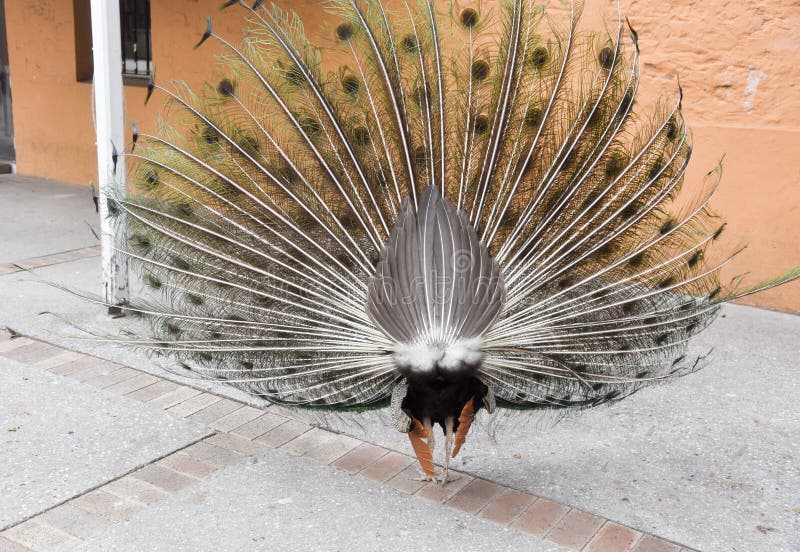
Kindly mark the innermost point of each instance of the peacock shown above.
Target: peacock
(440, 210)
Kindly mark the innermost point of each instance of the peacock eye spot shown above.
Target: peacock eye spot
(667, 227)
(210, 136)
(348, 220)
(141, 241)
(637, 260)
(180, 263)
(153, 281)
(113, 208)
(287, 174)
(613, 167)
(481, 124)
(630, 211)
(607, 249)
(294, 75)
(310, 126)
(469, 18)
(344, 31)
(225, 88)
(539, 57)
(656, 169)
(565, 282)
(350, 84)
(672, 129)
(595, 117)
(361, 136)
(666, 282)
(480, 70)
(606, 58)
(409, 43)
(151, 178)
(533, 117)
(626, 102)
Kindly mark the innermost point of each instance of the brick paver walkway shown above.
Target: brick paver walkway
(242, 431)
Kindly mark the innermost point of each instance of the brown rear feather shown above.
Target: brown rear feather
(464, 423)
(421, 448)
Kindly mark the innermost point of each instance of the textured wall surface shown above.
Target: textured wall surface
(739, 64)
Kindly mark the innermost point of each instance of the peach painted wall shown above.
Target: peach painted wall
(739, 64)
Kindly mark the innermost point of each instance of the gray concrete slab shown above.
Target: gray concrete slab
(60, 438)
(279, 502)
(40, 217)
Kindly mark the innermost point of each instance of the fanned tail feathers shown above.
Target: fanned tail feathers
(271, 218)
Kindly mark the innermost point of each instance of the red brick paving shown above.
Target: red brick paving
(575, 529)
(442, 493)
(540, 517)
(283, 433)
(613, 538)
(258, 427)
(360, 457)
(477, 494)
(185, 464)
(387, 467)
(649, 543)
(333, 449)
(407, 481)
(31, 352)
(506, 506)
(163, 478)
(309, 440)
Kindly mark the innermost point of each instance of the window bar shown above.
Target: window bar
(136, 35)
(123, 35)
(148, 30)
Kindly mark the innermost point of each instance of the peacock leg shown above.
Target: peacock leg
(426, 423)
(449, 437)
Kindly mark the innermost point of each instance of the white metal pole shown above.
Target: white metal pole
(109, 106)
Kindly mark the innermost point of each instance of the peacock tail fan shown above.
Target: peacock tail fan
(434, 185)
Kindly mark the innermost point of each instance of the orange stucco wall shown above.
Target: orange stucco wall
(739, 64)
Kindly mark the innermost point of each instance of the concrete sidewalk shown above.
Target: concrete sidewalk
(709, 461)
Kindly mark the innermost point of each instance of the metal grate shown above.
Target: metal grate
(135, 31)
